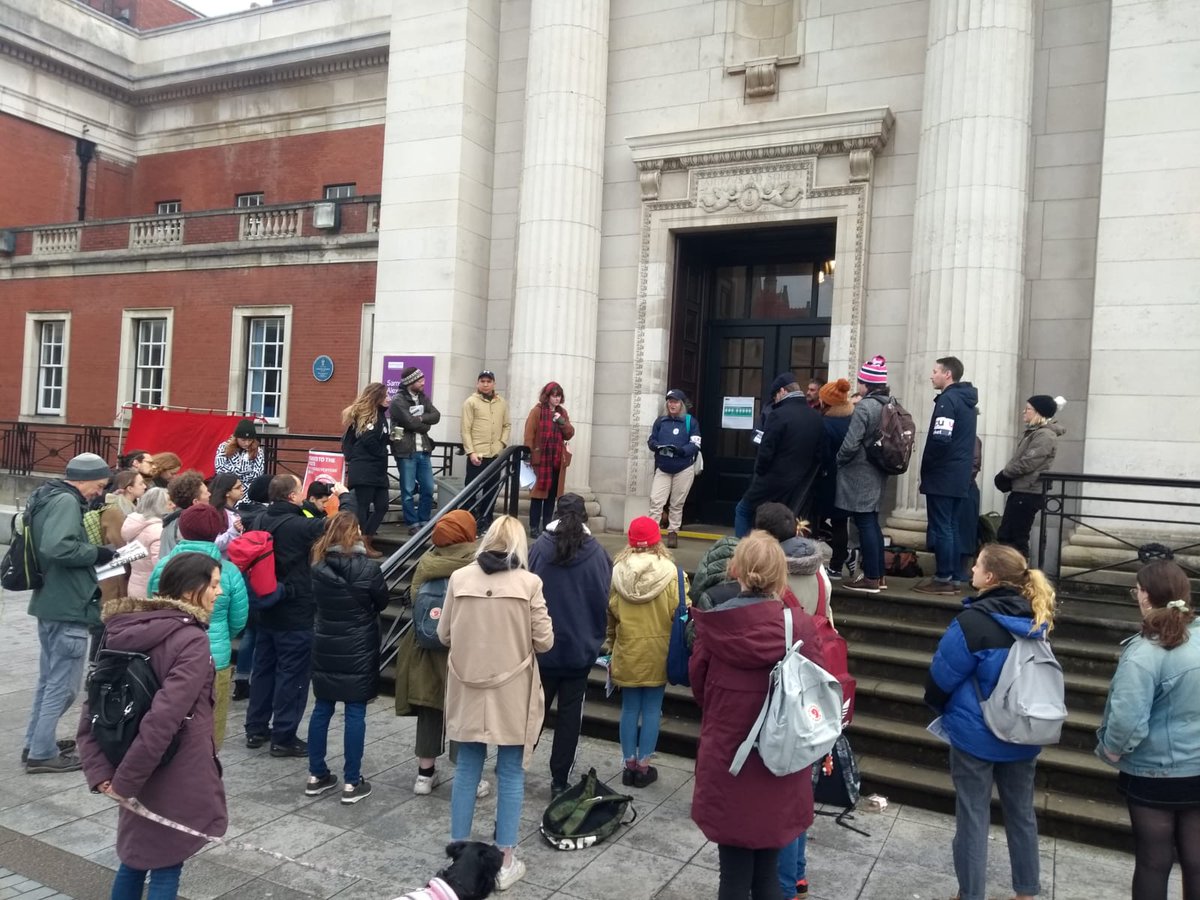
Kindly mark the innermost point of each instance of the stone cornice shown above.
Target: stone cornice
(820, 135)
(363, 53)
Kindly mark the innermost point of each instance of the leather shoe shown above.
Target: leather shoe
(295, 748)
(254, 741)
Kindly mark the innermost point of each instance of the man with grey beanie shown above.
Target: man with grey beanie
(66, 604)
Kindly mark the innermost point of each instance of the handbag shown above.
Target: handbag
(678, 652)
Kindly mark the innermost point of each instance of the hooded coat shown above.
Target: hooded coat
(351, 593)
(1034, 455)
(188, 789)
(495, 623)
(710, 571)
(807, 577)
(421, 673)
(737, 645)
(147, 532)
(576, 594)
(232, 608)
(641, 609)
(975, 647)
(949, 453)
(69, 591)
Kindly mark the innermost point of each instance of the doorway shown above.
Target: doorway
(749, 305)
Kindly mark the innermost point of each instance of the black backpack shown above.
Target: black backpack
(19, 570)
(892, 446)
(120, 690)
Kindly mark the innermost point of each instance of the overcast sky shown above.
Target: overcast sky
(220, 7)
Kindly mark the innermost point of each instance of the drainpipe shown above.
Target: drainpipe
(85, 150)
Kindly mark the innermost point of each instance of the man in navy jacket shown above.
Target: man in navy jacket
(946, 470)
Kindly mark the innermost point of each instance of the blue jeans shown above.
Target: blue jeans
(942, 514)
(510, 791)
(793, 865)
(972, 813)
(870, 543)
(416, 470)
(353, 739)
(640, 705)
(164, 883)
(60, 672)
(279, 686)
(743, 518)
(245, 655)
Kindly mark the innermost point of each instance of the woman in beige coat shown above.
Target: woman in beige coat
(494, 621)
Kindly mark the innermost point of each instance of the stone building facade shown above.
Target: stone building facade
(631, 195)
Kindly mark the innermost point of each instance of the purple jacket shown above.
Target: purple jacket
(188, 789)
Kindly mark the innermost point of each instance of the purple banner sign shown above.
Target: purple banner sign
(394, 365)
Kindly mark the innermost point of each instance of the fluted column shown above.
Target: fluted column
(969, 222)
(558, 236)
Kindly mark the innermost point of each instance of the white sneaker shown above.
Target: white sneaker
(483, 788)
(510, 875)
(426, 783)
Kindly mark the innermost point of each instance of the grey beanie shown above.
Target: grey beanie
(87, 467)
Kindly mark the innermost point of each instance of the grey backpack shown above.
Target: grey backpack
(1027, 705)
(801, 717)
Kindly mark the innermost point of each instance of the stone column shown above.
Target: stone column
(558, 224)
(969, 225)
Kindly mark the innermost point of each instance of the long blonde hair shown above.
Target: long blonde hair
(507, 536)
(1009, 567)
(364, 411)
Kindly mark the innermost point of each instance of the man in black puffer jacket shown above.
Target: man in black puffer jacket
(283, 643)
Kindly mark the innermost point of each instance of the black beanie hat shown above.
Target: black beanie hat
(1044, 405)
(259, 489)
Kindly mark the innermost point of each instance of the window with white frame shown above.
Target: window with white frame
(339, 191)
(51, 367)
(169, 207)
(265, 366)
(246, 201)
(150, 361)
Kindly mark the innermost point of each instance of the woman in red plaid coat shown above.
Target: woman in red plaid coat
(547, 430)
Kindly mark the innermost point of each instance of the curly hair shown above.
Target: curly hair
(184, 488)
(364, 411)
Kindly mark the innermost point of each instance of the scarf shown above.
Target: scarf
(550, 443)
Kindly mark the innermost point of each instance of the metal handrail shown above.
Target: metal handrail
(501, 475)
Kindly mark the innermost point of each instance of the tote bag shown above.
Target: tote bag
(678, 654)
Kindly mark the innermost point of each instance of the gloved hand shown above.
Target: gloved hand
(105, 555)
(1003, 482)
(654, 445)
(666, 450)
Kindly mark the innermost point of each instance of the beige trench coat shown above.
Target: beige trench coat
(494, 626)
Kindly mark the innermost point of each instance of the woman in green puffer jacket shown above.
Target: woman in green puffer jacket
(199, 527)
(421, 673)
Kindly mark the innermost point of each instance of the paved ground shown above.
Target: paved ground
(54, 832)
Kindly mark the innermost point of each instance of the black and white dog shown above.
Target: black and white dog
(470, 876)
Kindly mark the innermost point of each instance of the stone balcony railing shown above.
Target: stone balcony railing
(262, 225)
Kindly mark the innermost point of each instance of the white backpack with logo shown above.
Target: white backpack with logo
(801, 717)
(1028, 704)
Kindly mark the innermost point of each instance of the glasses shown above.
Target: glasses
(1133, 592)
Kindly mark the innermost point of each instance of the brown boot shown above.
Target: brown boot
(672, 539)
(372, 553)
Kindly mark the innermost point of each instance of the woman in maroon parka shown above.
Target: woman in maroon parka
(171, 628)
(752, 814)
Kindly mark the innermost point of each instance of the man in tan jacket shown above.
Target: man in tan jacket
(485, 432)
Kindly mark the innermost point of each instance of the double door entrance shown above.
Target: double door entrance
(749, 306)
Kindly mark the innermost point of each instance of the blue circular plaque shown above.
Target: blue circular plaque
(322, 368)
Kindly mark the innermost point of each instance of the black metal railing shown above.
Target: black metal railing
(28, 447)
(1125, 522)
(496, 489)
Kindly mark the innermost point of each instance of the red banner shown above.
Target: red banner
(192, 436)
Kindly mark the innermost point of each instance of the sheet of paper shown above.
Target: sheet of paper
(125, 555)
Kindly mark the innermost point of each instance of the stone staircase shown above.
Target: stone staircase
(891, 638)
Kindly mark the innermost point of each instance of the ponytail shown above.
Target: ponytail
(1037, 590)
(1008, 566)
(1168, 592)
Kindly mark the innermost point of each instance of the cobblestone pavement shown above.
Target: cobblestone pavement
(51, 825)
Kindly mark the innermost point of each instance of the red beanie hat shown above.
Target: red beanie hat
(201, 522)
(644, 532)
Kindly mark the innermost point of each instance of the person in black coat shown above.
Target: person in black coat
(946, 471)
(787, 461)
(283, 642)
(351, 593)
(576, 573)
(365, 446)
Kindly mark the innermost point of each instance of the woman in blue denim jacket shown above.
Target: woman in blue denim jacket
(1151, 732)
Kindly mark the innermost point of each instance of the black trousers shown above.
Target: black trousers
(1017, 522)
(746, 873)
(839, 541)
(372, 507)
(541, 510)
(570, 687)
(279, 683)
(484, 519)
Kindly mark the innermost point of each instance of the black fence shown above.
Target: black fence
(27, 447)
(1096, 530)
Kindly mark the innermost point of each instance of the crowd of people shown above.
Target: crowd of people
(522, 623)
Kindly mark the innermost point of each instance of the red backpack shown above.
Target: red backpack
(836, 653)
(253, 552)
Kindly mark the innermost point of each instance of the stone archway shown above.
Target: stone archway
(782, 171)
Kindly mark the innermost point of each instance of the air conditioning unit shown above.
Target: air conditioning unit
(325, 215)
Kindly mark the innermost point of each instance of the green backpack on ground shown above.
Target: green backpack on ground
(585, 814)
